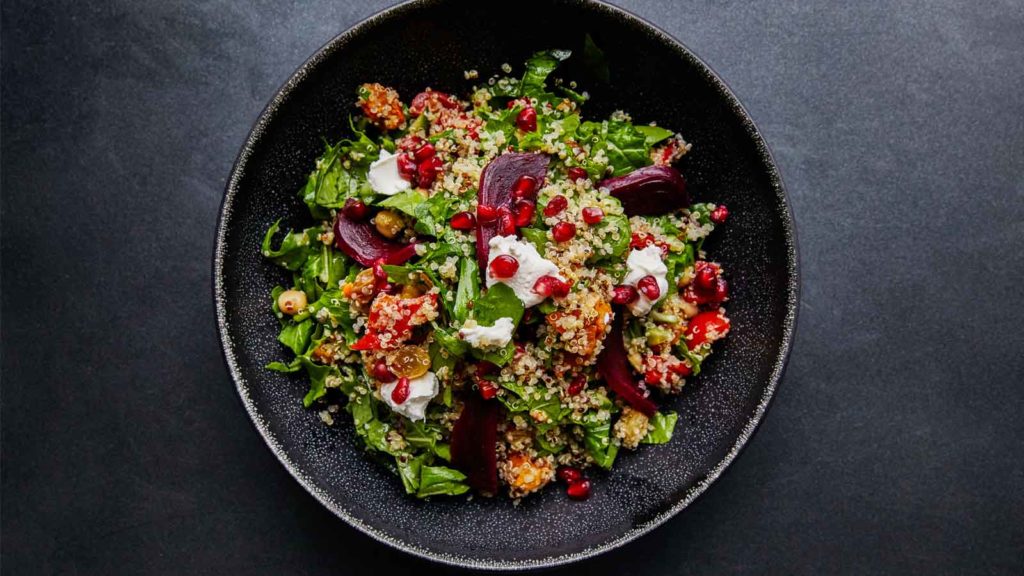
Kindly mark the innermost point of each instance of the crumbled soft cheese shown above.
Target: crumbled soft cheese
(646, 262)
(421, 391)
(487, 336)
(384, 177)
(531, 267)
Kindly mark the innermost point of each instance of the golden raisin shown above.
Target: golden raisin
(410, 362)
(388, 223)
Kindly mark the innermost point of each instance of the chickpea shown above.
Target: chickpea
(291, 302)
(388, 223)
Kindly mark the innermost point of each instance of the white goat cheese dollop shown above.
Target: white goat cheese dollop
(646, 262)
(421, 391)
(384, 177)
(487, 336)
(531, 267)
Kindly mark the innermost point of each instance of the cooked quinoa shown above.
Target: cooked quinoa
(489, 292)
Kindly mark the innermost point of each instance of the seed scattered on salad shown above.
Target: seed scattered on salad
(498, 292)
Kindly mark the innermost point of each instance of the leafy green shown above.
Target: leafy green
(432, 216)
(409, 471)
(339, 314)
(436, 480)
(331, 183)
(663, 425)
(624, 147)
(538, 68)
(468, 290)
(318, 374)
(294, 250)
(407, 201)
(296, 335)
(678, 262)
(597, 430)
(450, 342)
(537, 237)
(498, 302)
(619, 236)
(653, 134)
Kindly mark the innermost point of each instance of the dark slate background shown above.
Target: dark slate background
(896, 441)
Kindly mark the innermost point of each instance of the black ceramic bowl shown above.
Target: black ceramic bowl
(653, 77)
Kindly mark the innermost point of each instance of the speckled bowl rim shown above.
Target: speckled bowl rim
(789, 231)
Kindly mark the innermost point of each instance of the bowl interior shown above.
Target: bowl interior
(652, 78)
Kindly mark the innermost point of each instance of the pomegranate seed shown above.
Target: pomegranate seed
(719, 214)
(624, 294)
(579, 490)
(463, 221)
(406, 168)
(555, 206)
(576, 173)
(649, 286)
(593, 215)
(487, 389)
(504, 266)
(354, 209)
(486, 214)
(511, 104)
(568, 474)
(523, 210)
(506, 222)
(705, 277)
(551, 286)
(526, 120)
(525, 187)
(401, 391)
(721, 289)
(563, 231)
(428, 170)
(382, 373)
(424, 153)
(577, 385)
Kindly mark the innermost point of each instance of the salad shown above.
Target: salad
(496, 291)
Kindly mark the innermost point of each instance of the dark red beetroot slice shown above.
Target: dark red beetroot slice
(614, 368)
(361, 241)
(496, 191)
(649, 191)
(474, 443)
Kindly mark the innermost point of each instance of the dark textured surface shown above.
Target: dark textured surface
(894, 444)
(720, 408)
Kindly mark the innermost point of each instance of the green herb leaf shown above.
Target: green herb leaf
(468, 290)
(406, 202)
(438, 480)
(653, 134)
(294, 250)
(663, 425)
(499, 301)
(296, 335)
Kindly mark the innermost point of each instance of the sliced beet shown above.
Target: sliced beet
(474, 444)
(649, 191)
(360, 240)
(496, 184)
(614, 368)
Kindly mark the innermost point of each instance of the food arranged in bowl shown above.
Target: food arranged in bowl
(496, 291)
